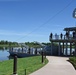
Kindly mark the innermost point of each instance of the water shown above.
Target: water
(68, 51)
(4, 55)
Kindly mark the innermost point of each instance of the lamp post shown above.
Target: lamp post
(74, 13)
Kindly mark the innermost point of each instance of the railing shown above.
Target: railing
(58, 37)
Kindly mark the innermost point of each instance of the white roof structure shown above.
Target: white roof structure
(39, 43)
(23, 44)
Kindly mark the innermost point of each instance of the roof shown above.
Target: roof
(70, 29)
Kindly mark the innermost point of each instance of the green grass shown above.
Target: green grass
(73, 61)
(31, 64)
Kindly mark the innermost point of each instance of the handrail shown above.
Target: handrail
(58, 37)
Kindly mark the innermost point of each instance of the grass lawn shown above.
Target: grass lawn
(31, 64)
(73, 61)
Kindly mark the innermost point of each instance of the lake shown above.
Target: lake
(4, 55)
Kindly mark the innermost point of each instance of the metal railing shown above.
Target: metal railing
(58, 37)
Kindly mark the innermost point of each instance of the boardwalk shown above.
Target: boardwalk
(56, 66)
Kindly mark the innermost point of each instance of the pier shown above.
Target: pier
(68, 40)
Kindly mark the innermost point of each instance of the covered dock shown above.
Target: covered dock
(68, 40)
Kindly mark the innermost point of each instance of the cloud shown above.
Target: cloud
(12, 33)
(7, 32)
(9, 0)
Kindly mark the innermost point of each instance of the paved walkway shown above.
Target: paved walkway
(56, 66)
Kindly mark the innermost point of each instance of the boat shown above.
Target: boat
(23, 52)
(20, 54)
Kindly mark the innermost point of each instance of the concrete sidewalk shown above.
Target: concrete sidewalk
(56, 66)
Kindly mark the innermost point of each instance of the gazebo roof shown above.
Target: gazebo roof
(70, 29)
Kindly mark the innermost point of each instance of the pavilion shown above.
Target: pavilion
(68, 39)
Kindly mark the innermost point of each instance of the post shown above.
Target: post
(42, 57)
(75, 50)
(70, 48)
(63, 48)
(51, 47)
(59, 49)
(22, 49)
(25, 71)
(66, 48)
(12, 49)
(29, 50)
(36, 51)
(15, 65)
(45, 54)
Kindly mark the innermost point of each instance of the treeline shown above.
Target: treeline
(30, 44)
(2, 42)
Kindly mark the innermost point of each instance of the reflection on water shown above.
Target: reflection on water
(68, 51)
(4, 55)
(3, 48)
(10, 57)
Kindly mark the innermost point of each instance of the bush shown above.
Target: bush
(73, 61)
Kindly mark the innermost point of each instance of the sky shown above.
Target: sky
(34, 20)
